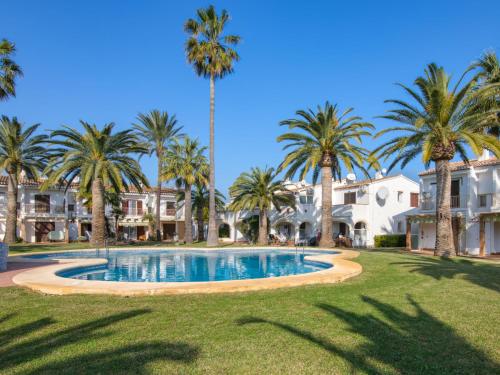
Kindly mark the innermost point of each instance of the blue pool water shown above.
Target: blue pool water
(182, 266)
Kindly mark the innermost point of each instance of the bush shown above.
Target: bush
(390, 240)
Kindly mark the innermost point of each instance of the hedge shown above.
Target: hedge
(390, 240)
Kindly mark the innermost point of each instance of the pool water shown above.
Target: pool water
(184, 266)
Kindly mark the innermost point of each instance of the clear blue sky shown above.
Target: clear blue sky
(104, 61)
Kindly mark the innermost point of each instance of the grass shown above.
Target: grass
(404, 315)
(25, 248)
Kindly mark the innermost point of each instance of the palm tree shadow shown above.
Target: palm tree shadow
(415, 343)
(128, 359)
(486, 275)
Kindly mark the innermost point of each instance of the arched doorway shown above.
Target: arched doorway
(360, 237)
(224, 230)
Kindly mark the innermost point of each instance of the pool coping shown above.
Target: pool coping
(45, 279)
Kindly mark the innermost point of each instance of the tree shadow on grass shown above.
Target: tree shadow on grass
(483, 274)
(407, 343)
(126, 359)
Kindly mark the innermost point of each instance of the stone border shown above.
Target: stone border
(46, 280)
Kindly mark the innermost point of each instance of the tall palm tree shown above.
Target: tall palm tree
(186, 163)
(20, 151)
(439, 124)
(488, 73)
(157, 129)
(212, 56)
(326, 141)
(9, 70)
(259, 189)
(102, 160)
(200, 203)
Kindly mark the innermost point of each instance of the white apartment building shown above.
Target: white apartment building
(475, 207)
(57, 210)
(361, 210)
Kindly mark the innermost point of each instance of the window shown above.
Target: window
(42, 203)
(483, 199)
(132, 207)
(413, 199)
(400, 196)
(71, 207)
(350, 198)
(307, 198)
(170, 209)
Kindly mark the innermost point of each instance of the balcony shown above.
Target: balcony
(168, 212)
(131, 211)
(44, 209)
(427, 205)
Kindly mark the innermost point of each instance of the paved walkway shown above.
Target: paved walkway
(13, 268)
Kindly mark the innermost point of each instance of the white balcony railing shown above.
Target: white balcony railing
(43, 209)
(427, 204)
(133, 211)
(167, 212)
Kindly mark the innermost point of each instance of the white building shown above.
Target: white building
(57, 210)
(475, 207)
(361, 210)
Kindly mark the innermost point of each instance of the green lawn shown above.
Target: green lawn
(404, 315)
(24, 248)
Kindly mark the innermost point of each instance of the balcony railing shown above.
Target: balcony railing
(427, 205)
(43, 209)
(168, 212)
(131, 211)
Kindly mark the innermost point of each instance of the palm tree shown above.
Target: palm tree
(488, 68)
(157, 129)
(259, 189)
(102, 160)
(326, 141)
(9, 70)
(186, 163)
(439, 124)
(200, 203)
(20, 151)
(212, 56)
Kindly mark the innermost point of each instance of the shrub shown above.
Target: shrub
(390, 240)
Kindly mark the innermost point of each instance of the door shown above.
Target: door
(455, 193)
(168, 231)
(42, 229)
(141, 233)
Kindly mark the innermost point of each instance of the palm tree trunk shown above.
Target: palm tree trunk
(158, 198)
(444, 234)
(11, 224)
(213, 237)
(262, 228)
(199, 214)
(98, 214)
(188, 230)
(326, 206)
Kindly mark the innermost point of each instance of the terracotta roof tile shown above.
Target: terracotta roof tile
(364, 182)
(460, 165)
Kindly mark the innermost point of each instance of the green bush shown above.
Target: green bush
(390, 240)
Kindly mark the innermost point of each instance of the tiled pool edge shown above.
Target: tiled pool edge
(45, 279)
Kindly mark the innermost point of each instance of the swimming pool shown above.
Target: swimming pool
(189, 265)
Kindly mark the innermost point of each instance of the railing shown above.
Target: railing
(130, 211)
(168, 212)
(427, 205)
(455, 201)
(43, 209)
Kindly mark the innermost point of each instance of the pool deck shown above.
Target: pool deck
(45, 280)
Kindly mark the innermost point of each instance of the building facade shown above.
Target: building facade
(475, 208)
(361, 210)
(60, 211)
